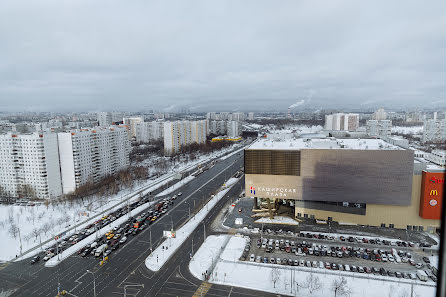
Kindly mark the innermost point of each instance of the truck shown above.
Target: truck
(422, 275)
(396, 256)
(158, 206)
(100, 250)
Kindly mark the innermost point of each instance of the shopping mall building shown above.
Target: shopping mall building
(350, 181)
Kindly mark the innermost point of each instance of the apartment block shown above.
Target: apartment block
(379, 128)
(434, 131)
(234, 129)
(30, 165)
(342, 122)
(131, 124)
(218, 127)
(149, 131)
(181, 133)
(87, 155)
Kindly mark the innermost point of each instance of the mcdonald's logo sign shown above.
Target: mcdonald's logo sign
(434, 193)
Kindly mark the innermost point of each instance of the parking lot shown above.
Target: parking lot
(390, 258)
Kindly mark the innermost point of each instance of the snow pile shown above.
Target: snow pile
(295, 280)
(160, 256)
(176, 186)
(278, 220)
(208, 252)
(101, 232)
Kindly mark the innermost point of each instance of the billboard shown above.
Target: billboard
(335, 175)
(431, 199)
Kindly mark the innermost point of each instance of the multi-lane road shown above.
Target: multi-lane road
(126, 267)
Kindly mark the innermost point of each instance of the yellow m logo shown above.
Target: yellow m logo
(434, 192)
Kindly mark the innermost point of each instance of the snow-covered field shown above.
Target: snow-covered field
(300, 129)
(293, 280)
(159, 256)
(25, 227)
(408, 130)
(278, 220)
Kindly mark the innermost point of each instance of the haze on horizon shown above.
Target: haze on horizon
(221, 55)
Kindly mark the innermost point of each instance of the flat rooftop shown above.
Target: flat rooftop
(323, 143)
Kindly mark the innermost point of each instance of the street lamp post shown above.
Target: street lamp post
(94, 283)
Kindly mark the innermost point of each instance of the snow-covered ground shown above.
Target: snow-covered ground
(42, 222)
(160, 255)
(278, 220)
(408, 130)
(259, 276)
(176, 186)
(300, 129)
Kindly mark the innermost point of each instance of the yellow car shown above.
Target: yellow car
(117, 236)
(110, 236)
(154, 219)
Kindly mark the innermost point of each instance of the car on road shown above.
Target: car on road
(48, 256)
(123, 240)
(179, 194)
(35, 259)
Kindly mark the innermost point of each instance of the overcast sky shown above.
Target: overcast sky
(220, 55)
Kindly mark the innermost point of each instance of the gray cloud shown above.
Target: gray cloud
(233, 55)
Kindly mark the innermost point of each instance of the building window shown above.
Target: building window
(409, 227)
(391, 225)
(306, 215)
(299, 215)
(383, 225)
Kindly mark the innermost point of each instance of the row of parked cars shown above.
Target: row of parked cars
(111, 242)
(378, 241)
(303, 248)
(340, 267)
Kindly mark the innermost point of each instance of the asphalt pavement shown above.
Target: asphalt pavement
(126, 265)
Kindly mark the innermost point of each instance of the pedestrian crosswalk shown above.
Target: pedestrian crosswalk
(202, 290)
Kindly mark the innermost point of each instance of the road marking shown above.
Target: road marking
(202, 289)
(3, 265)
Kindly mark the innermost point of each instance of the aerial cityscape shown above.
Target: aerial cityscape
(222, 149)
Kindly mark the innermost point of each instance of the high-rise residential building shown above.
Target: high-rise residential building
(250, 116)
(131, 124)
(87, 155)
(104, 119)
(234, 129)
(342, 121)
(379, 115)
(181, 133)
(149, 131)
(434, 131)
(211, 116)
(238, 116)
(218, 127)
(30, 165)
(379, 128)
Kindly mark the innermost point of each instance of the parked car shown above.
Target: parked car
(35, 259)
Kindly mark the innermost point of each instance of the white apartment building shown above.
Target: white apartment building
(379, 128)
(106, 119)
(218, 127)
(131, 123)
(238, 116)
(379, 115)
(250, 116)
(342, 122)
(437, 156)
(149, 131)
(180, 133)
(86, 155)
(434, 131)
(29, 165)
(234, 129)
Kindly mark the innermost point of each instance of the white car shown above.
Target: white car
(179, 194)
(384, 258)
(123, 239)
(391, 259)
(48, 256)
(347, 267)
(252, 258)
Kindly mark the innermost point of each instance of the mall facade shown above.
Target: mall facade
(349, 181)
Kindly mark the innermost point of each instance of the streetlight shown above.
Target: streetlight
(94, 283)
(204, 230)
(125, 288)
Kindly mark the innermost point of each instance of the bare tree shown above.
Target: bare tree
(312, 283)
(46, 227)
(275, 275)
(35, 232)
(340, 288)
(13, 230)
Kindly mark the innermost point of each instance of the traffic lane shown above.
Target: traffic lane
(157, 230)
(50, 281)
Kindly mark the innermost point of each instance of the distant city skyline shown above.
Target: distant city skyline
(214, 56)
